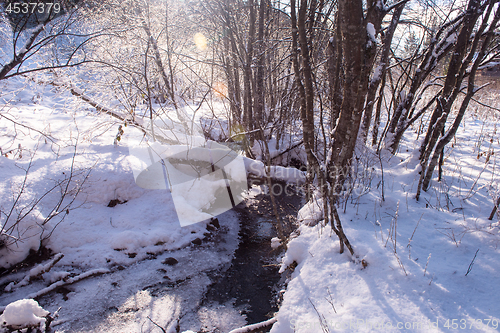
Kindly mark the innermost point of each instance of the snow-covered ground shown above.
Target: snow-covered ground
(409, 272)
(92, 234)
(111, 226)
(416, 254)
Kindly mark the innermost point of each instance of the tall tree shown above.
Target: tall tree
(465, 52)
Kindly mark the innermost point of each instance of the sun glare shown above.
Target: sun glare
(220, 89)
(200, 41)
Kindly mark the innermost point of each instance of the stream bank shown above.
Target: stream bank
(252, 281)
(227, 280)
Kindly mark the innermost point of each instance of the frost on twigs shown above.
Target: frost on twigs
(25, 314)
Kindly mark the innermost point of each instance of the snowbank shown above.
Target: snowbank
(419, 266)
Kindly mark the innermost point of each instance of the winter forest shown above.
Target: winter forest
(249, 166)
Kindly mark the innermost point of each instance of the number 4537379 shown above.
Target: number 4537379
(33, 7)
(470, 324)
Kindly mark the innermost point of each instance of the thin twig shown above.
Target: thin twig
(471, 263)
(331, 299)
(29, 127)
(428, 258)
(162, 329)
(324, 326)
(411, 238)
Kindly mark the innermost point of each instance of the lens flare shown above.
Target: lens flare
(220, 89)
(200, 41)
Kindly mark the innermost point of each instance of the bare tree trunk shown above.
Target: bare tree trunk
(248, 73)
(376, 122)
(495, 208)
(259, 77)
(158, 60)
(454, 78)
(307, 113)
(232, 75)
(379, 74)
(302, 94)
(358, 57)
(169, 58)
(335, 73)
(471, 90)
(437, 49)
(232, 67)
(228, 69)
(148, 90)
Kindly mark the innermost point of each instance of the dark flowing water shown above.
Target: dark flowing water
(252, 279)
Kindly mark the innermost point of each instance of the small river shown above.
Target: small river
(229, 280)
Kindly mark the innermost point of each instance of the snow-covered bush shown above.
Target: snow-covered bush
(30, 210)
(25, 313)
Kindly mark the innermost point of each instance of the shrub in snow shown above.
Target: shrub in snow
(37, 207)
(23, 314)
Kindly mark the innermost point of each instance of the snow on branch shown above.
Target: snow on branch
(64, 282)
(35, 273)
(71, 280)
(255, 327)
